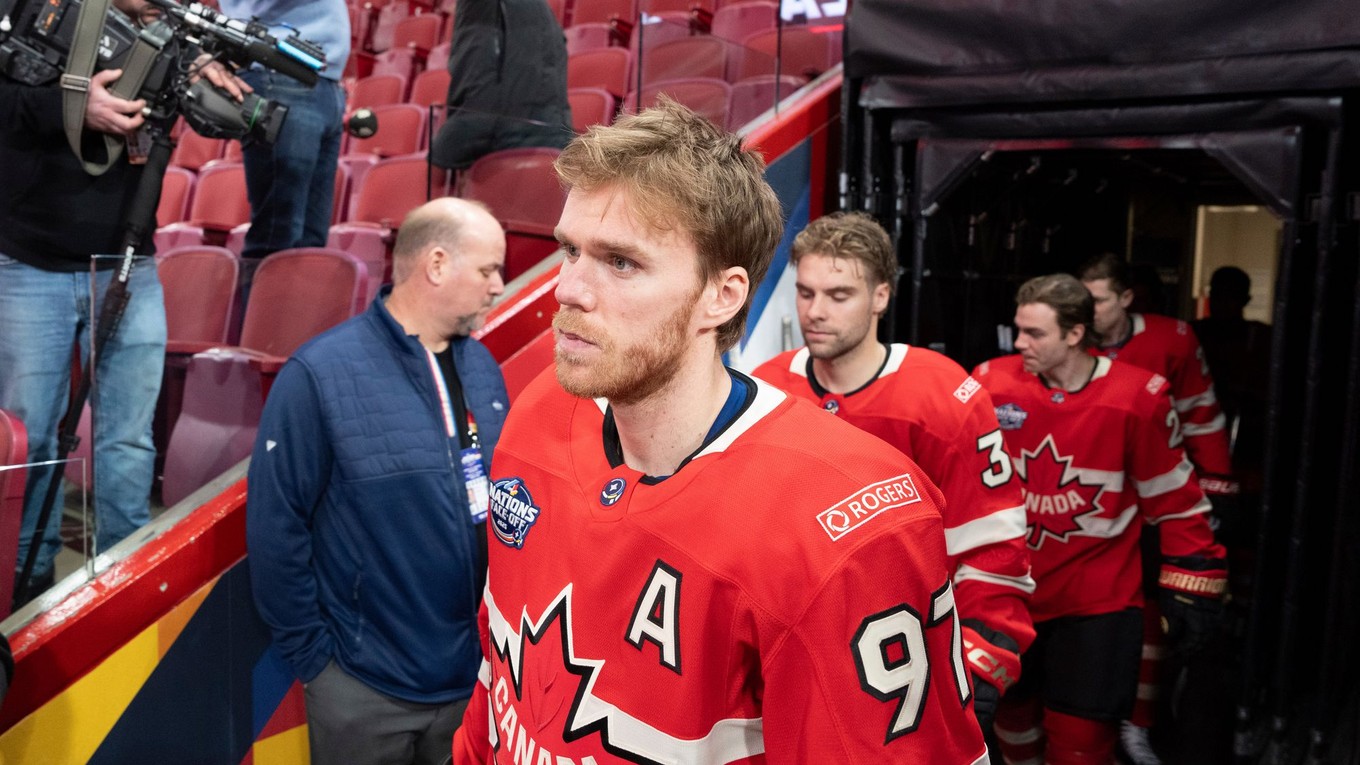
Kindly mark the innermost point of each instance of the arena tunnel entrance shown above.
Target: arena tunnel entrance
(1139, 130)
(992, 213)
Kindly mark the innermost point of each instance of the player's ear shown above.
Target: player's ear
(724, 296)
(879, 297)
(1126, 299)
(1076, 335)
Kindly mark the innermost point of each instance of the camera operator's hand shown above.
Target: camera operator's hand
(108, 113)
(220, 76)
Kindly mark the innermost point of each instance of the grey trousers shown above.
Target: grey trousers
(349, 723)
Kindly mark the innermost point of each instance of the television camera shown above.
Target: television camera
(36, 37)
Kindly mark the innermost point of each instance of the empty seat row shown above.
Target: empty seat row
(802, 53)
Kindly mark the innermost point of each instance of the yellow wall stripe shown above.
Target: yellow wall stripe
(70, 727)
(286, 748)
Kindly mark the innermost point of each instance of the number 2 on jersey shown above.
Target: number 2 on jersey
(892, 660)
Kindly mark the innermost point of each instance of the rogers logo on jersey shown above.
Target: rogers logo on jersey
(967, 389)
(513, 512)
(855, 510)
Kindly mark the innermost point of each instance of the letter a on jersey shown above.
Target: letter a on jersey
(656, 617)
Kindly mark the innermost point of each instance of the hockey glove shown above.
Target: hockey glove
(1223, 494)
(1191, 601)
(994, 660)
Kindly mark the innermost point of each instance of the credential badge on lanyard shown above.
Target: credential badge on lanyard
(470, 459)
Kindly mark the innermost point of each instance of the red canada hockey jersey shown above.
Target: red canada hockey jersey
(1168, 347)
(927, 406)
(782, 598)
(1094, 465)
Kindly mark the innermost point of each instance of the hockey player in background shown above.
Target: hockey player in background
(688, 565)
(1097, 448)
(1167, 347)
(927, 406)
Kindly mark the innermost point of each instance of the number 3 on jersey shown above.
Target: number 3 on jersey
(1000, 469)
(891, 657)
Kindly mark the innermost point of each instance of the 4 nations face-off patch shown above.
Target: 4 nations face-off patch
(513, 512)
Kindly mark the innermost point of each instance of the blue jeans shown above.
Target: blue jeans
(41, 313)
(291, 184)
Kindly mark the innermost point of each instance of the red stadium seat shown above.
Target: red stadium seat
(593, 36)
(219, 205)
(738, 21)
(686, 58)
(591, 106)
(439, 56)
(606, 68)
(194, 151)
(754, 96)
(587, 11)
(673, 6)
(385, 25)
(708, 96)
(13, 477)
(419, 32)
(803, 53)
(377, 90)
(295, 295)
(177, 189)
(430, 87)
(521, 190)
(199, 286)
(401, 130)
(385, 193)
(652, 30)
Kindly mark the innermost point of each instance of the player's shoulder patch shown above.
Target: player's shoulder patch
(1010, 416)
(1155, 383)
(967, 389)
(1182, 328)
(513, 512)
(982, 369)
(867, 503)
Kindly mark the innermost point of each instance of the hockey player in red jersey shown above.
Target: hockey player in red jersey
(687, 565)
(1167, 347)
(927, 406)
(1096, 444)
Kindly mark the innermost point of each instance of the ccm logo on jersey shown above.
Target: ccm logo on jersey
(513, 512)
(967, 389)
(853, 511)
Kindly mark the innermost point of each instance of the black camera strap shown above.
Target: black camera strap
(75, 81)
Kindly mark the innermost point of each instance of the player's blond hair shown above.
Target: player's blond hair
(684, 173)
(1068, 298)
(851, 235)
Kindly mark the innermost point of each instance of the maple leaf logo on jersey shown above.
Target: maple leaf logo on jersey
(540, 715)
(1058, 496)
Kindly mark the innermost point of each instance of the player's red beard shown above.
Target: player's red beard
(623, 375)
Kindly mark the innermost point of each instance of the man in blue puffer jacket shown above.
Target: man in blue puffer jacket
(365, 520)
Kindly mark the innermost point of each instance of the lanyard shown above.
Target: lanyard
(446, 403)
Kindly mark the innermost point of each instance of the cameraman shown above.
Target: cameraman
(291, 184)
(53, 218)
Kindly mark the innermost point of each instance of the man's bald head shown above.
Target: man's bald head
(439, 222)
